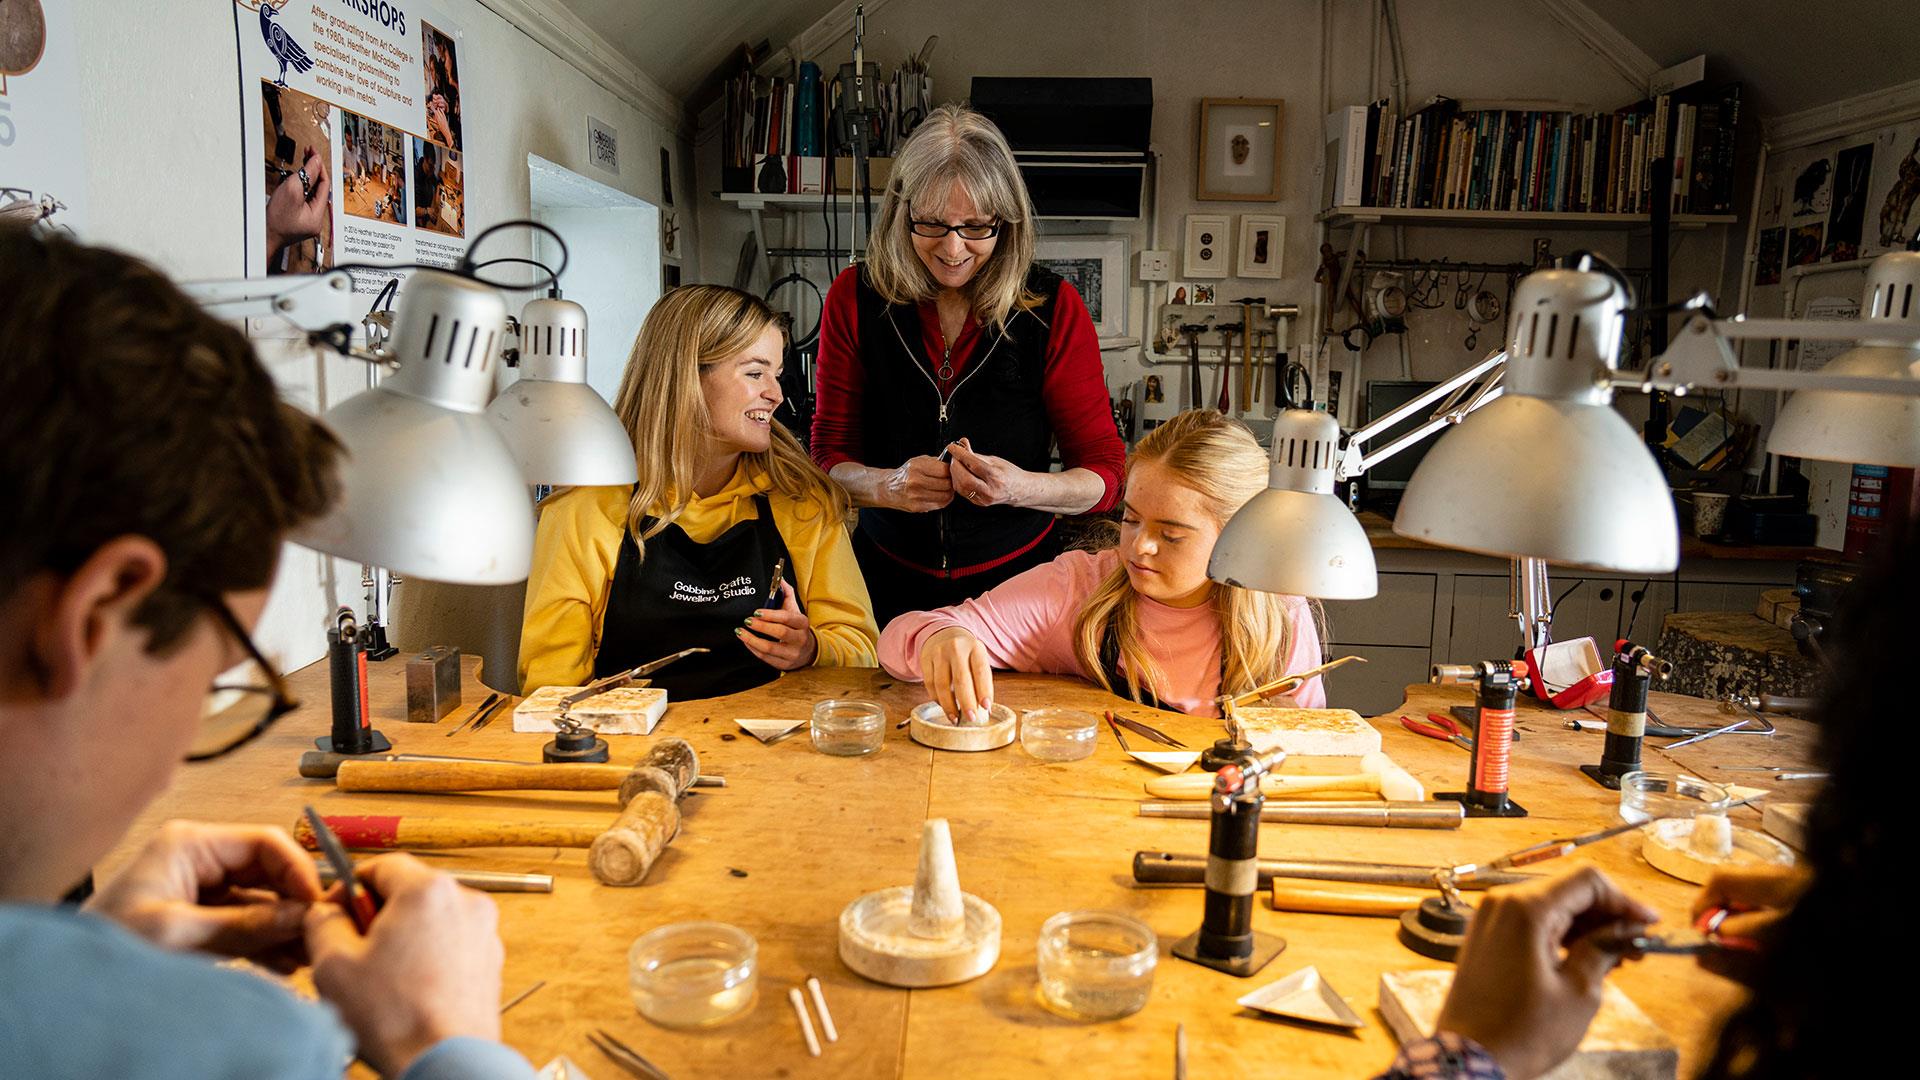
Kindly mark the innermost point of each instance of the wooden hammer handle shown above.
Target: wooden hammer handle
(1335, 898)
(625, 853)
(476, 776)
(386, 832)
(1200, 785)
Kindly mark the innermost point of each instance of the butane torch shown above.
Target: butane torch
(1500, 683)
(1226, 940)
(1634, 669)
(353, 731)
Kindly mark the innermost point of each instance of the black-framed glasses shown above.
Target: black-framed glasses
(938, 230)
(244, 702)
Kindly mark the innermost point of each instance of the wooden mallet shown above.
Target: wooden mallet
(1378, 775)
(621, 854)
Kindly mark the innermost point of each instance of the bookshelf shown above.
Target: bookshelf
(1339, 216)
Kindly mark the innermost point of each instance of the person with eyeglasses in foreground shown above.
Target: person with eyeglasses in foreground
(1530, 975)
(151, 471)
(950, 367)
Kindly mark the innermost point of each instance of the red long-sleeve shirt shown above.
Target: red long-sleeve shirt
(1074, 384)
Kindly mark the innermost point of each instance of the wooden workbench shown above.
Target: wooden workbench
(796, 835)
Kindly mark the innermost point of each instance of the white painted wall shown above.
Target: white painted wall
(165, 175)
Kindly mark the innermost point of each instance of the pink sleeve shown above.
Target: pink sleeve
(1304, 654)
(1025, 623)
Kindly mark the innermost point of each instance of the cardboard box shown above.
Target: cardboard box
(879, 172)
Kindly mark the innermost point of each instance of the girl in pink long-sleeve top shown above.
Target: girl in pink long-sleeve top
(1141, 619)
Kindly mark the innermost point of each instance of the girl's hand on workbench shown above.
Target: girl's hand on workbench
(427, 970)
(781, 636)
(235, 890)
(1515, 991)
(1760, 897)
(954, 666)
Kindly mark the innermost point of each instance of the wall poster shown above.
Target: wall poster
(43, 168)
(354, 135)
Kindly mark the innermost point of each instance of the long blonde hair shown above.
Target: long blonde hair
(665, 412)
(955, 146)
(1219, 458)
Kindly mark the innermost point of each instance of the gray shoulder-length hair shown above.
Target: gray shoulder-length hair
(955, 145)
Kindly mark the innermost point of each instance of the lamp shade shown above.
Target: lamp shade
(428, 489)
(1549, 470)
(560, 430)
(1865, 429)
(1295, 537)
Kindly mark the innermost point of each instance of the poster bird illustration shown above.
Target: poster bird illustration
(1806, 186)
(282, 45)
(1900, 198)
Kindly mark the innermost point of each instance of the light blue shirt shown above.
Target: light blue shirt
(81, 997)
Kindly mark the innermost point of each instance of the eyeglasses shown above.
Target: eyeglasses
(937, 230)
(244, 702)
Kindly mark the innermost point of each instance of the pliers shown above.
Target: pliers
(1441, 727)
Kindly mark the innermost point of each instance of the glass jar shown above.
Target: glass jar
(845, 727)
(1058, 734)
(1096, 965)
(693, 974)
(1647, 796)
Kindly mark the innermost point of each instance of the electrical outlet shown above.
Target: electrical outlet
(1154, 265)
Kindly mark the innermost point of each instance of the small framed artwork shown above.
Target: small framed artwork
(1097, 267)
(1263, 239)
(1205, 255)
(1239, 155)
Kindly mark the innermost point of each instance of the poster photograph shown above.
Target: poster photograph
(358, 137)
(42, 148)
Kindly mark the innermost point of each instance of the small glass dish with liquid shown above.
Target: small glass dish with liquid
(693, 974)
(1058, 734)
(1096, 965)
(845, 727)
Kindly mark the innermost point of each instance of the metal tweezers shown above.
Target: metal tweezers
(1147, 731)
(485, 709)
(624, 1056)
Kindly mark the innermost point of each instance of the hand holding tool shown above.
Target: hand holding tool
(1444, 728)
(356, 899)
(773, 590)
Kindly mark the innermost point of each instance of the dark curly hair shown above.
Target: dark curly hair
(126, 410)
(1808, 1016)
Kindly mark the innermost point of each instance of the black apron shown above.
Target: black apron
(686, 594)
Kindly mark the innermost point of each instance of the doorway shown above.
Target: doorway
(613, 269)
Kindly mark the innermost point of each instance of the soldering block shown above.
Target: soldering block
(627, 710)
(1306, 732)
(1622, 1043)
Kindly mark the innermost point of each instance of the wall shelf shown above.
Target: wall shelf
(750, 200)
(1340, 216)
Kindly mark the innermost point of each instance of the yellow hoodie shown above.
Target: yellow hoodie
(578, 546)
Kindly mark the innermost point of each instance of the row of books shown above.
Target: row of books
(768, 117)
(1444, 157)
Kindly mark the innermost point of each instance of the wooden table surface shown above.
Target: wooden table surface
(796, 835)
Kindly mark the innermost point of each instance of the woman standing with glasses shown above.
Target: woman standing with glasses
(950, 366)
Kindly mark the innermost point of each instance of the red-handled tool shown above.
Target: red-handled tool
(357, 900)
(1444, 728)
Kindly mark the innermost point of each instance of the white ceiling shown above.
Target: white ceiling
(1790, 54)
(681, 43)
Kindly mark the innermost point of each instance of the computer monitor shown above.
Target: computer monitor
(1391, 476)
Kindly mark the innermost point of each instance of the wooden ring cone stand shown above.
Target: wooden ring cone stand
(925, 934)
(928, 725)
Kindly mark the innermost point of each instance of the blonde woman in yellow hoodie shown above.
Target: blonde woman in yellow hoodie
(687, 556)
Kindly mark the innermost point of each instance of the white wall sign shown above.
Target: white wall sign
(603, 145)
(354, 135)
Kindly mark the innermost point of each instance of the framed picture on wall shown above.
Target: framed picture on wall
(1205, 253)
(1263, 239)
(1239, 154)
(1097, 267)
